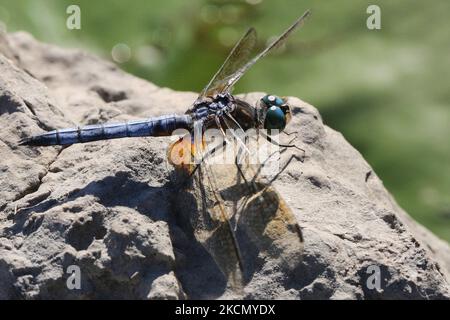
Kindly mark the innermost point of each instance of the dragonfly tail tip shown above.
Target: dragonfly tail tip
(25, 142)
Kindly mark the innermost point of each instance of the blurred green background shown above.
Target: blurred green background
(386, 90)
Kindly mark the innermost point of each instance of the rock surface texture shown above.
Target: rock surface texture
(110, 207)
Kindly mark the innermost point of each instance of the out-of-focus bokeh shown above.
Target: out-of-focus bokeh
(386, 90)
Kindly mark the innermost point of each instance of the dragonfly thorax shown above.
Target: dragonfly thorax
(211, 107)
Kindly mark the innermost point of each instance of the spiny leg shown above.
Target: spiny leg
(301, 159)
(238, 165)
(268, 138)
(292, 157)
(258, 172)
(238, 139)
(289, 133)
(236, 123)
(237, 160)
(242, 146)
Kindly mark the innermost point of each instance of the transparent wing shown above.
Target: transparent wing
(267, 221)
(242, 226)
(237, 58)
(275, 44)
(234, 218)
(212, 224)
(210, 219)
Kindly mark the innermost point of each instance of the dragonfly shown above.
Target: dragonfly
(231, 199)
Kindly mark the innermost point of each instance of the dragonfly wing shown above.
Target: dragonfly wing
(266, 220)
(211, 220)
(228, 208)
(272, 226)
(237, 58)
(275, 44)
(213, 226)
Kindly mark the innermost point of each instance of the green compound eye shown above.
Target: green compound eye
(271, 100)
(275, 119)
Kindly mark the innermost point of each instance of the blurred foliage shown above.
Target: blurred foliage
(386, 90)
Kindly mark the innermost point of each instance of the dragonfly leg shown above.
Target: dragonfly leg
(219, 147)
(292, 157)
(243, 147)
(268, 138)
(236, 123)
(289, 133)
(238, 165)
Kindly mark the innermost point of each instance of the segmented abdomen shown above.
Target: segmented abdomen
(153, 127)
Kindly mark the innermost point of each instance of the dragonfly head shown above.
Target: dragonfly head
(275, 112)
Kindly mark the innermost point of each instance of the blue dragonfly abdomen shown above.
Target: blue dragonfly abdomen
(153, 127)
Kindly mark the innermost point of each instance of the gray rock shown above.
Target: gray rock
(110, 207)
